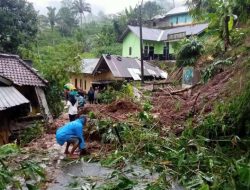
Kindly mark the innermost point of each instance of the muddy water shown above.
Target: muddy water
(92, 175)
(79, 174)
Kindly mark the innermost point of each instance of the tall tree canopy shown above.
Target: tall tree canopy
(151, 9)
(52, 17)
(18, 24)
(66, 21)
(81, 6)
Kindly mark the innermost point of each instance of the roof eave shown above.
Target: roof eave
(124, 34)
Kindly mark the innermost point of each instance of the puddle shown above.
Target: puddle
(81, 172)
(92, 175)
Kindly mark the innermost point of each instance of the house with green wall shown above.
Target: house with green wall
(160, 34)
(157, 43)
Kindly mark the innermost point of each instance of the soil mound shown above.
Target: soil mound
(122, 106)
(173, 109)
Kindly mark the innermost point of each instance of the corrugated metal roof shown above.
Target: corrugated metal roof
(14, 69)
(195, 29)
(178, 10)
(147, 33)
(11, 97)
(88, 65)
(162, 35)
(174, 11)
(121, 67)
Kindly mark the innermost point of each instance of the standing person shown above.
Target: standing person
(96, 95)
(72, 105)
(91, 94)
(81, 101)
(72, 133)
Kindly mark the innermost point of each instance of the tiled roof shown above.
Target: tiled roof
(11, 97)
(162, 35)
(16, 70)
(126, 67)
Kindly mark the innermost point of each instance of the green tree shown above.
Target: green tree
(18, 24)
(81, 6)
(242, 9)
(43, 22)
(151, 9)
(52, 17)
(221, 14)
(55, 63)
(66, 21)
(189, 52)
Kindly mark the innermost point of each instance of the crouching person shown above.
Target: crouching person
(72, 133)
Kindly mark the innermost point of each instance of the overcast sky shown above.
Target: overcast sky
(107, 6)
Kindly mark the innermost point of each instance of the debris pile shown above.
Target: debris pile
(118, 110)
(174, 107)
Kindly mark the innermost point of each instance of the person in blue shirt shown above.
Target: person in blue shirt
(72, 133)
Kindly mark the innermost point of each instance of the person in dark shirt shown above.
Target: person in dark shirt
(91, 94)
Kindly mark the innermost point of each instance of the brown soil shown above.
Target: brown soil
(174, 110)
(118, 110)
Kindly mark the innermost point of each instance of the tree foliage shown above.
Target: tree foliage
(55, 63)
(81, 6)
(221, 14)
(189, 52)
(52, 17)
(18, 24)
(66, 21)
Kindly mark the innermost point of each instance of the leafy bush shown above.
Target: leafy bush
(13, 172)
(53, 96)
(238, 36)
(189, 53)
(32, 132)
(211, 70)
(110, 95)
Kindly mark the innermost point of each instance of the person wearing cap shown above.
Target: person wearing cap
(72, 133)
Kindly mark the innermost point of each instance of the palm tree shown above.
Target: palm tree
(81, 6)
(52, 17)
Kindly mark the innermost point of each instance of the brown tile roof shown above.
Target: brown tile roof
(15, 69)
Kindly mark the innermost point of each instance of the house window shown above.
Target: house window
(176, 36)
(177, 20)
(76, 82)
(85, 84)
(81, 83)
(130, 50)
(154, 24)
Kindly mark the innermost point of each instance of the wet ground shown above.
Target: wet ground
(65, 174)
(84, 175)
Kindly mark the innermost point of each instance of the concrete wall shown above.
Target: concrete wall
(88, 79)
(131, 40)
(179, 20)
(158, 46)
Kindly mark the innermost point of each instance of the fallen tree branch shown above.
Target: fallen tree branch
(184, 90)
